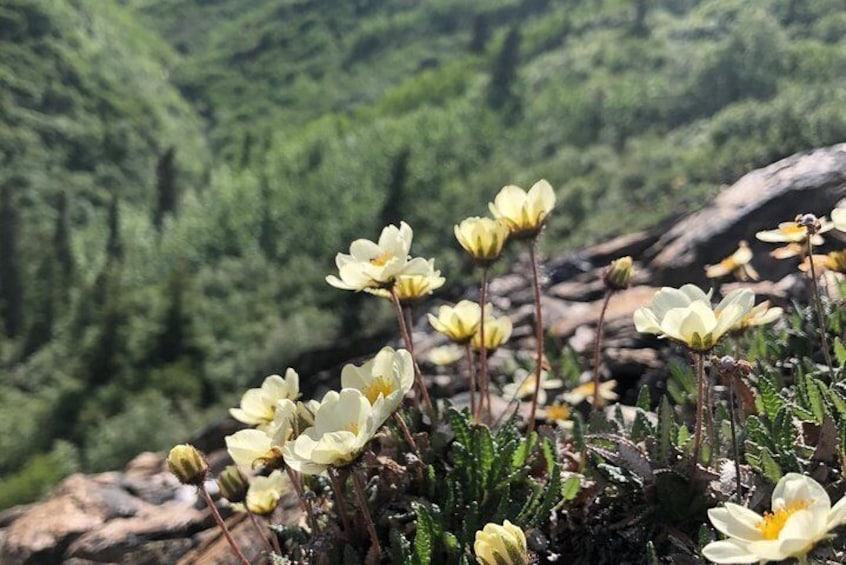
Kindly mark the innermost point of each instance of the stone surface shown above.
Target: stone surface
(144, 516)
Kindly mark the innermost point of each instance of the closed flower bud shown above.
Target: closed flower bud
(188, 464)
(232, 484)
(809, 222)
(482, 238)
(619, 273)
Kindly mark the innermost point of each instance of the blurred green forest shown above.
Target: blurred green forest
(177, 175)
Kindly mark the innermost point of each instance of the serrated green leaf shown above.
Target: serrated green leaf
(770, 468)
(770, 401)
(666, 421)
(424, 537)
(839, 351)
(651, 556)
(644, 400)
(571, 488)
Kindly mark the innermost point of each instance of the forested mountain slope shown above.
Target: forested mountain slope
(178, 174)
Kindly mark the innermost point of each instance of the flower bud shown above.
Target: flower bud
(188, 464)
(232, 484)
(501, 544)
(619, 273)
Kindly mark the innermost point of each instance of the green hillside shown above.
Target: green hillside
(178, 174)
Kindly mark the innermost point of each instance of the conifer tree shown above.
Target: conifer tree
(393, 209)
(11, 283)
(166, 190)
(501, 90)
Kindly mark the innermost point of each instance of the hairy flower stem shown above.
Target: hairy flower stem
(221, 524)
(538, 331)
(596, 347)
(261, 532)
(407, 434)
(471, 376)
(485, 390)
(358, 485)
(734, 445)
(815, 294)
(409, 345)
(298, 487)
(340, 504)
(700, 404)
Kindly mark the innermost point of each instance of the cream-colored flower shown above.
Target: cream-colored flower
(838, 218)
(482, 238)
(263, 446)
(501, 545)
(389, 375)
(759, 315)
(585, 392)
(445, 355)
(413, 287)
(791, 232)
(524, 213)
(801, 517)
(264, 493)
(343, 425)
(378, 264)
(497, 332)
(525, 383)
(834, 261)
(559, 414)
(738, 264)
(258, 405)
(458, 322)
(686, 315)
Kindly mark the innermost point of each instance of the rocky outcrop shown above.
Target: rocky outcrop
(143, 516)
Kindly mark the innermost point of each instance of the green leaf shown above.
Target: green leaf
(644, 401)
(666, 421)
(424, 538)
(651, 555)
(768, 399)
(839, 351)
(571, 488)
(770, 468)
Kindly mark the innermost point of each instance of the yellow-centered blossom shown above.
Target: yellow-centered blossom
(585, 391)
(460, 322)
(834, 261)
(410, 288)
(497, 332)
(738, 264)
(795, 236)
(389, 376)
(264, 493)
(258, 405)
(482, 238)
(263, 446)
(801, 516)
(343, 425)
(759, 315)
(501, 545)
(524, 212)
(377, 264)
(686, 315)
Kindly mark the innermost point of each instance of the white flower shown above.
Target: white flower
(686, 315)
(482, 238)
(760, 315)
(497, 331)
(801, 517)
(264, 445)
(343, 425)
(376, 265)
(524, 386)
(524, 213)
(459, 322)
(389, 375)
(791, 232)
(838, 218)
(414, 286)
(501, 545)
(264, 493)
(258, 405)
(585, 392)
(738, 263)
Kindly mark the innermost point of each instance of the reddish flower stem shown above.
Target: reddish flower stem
(484, 384)
(596, 347)
(409, 344)
(221, 524)
(538, 331)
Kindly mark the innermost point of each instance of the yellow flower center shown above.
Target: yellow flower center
(352, 427)
(380, 385)
(382, 259)
(773, 522)
(558, 412)
(792, 229)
